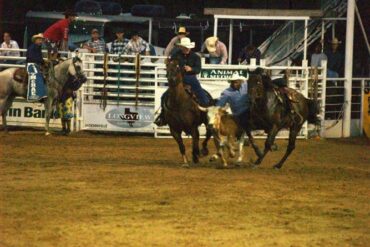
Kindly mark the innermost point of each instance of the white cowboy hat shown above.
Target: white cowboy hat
(37, 36)
(237, 77)
(335, 41)
(211, 43)
(186, 42)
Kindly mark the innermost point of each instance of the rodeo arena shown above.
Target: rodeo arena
(233, 127)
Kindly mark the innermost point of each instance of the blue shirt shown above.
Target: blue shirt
(238, 99)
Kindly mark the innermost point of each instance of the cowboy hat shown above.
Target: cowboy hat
(182, 30)
(119, 30)
(236, 77)
(211, 43)
(37, 36)
(94, 30)
(335, 41)
(186, 42)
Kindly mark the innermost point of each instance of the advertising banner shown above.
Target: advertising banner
(118, 118)
(23, 113)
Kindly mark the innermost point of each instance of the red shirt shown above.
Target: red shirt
(58, 31)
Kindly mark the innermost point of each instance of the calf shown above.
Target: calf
(225, 132)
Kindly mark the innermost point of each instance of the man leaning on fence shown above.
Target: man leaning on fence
(9, 44)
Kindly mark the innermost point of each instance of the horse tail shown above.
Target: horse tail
(313, 111)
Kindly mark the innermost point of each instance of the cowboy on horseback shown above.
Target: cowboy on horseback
(191, 66)
(34, 60)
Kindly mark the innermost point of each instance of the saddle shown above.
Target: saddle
(20, 75)
(194, 96)
(286, 92)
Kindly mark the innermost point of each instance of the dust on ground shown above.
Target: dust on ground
(106, 190)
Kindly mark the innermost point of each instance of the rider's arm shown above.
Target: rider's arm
(224, 98)
(195, 69)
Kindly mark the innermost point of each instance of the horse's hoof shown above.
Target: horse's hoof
(274, 147)
(195, 160)
(276, 167)
(185, 165)
(47, 134)
(205, 151)
(254, 166)
(213, 158)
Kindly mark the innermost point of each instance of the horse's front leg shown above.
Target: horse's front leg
(195, 137)
(293, 132)
(268, 143)
(48, 111)
(4, 106)
(254, 145)
(177, 136)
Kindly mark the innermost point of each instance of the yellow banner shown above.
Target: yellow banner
(366, 112)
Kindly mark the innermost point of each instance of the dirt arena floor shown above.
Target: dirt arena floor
(113, 190)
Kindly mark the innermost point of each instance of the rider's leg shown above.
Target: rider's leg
(160, 121)
(197, 89)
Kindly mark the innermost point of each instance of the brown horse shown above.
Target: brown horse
(182, 114)
(270, 113)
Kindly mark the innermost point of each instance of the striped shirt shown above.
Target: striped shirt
(118, 46)
(99, 45)
(136, 47)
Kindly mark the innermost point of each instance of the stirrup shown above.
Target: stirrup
(159, 121)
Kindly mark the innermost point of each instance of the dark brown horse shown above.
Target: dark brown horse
(270, 113)
(182, 114)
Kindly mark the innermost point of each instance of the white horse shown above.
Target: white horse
(55, 76)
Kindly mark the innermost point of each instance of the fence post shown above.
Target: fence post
(362, 107)
(323, 98)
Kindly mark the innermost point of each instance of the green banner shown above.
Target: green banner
(221, 73)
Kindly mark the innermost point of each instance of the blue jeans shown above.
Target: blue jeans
(214, 60)
(243, 119)
(192, 80)
(195, 86)
(332, 74)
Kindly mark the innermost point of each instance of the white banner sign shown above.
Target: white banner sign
(118, 118)
(23, 113)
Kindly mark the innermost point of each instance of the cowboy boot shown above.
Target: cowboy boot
(160, 121)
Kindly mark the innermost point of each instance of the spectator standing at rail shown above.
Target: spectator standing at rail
(56, 36)
(248, 52)
(95, 44)
(217, 50)
(137, 45)
(181, 33)
(119, 44)
(335, 59)
(9, 44)
(316, 60)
